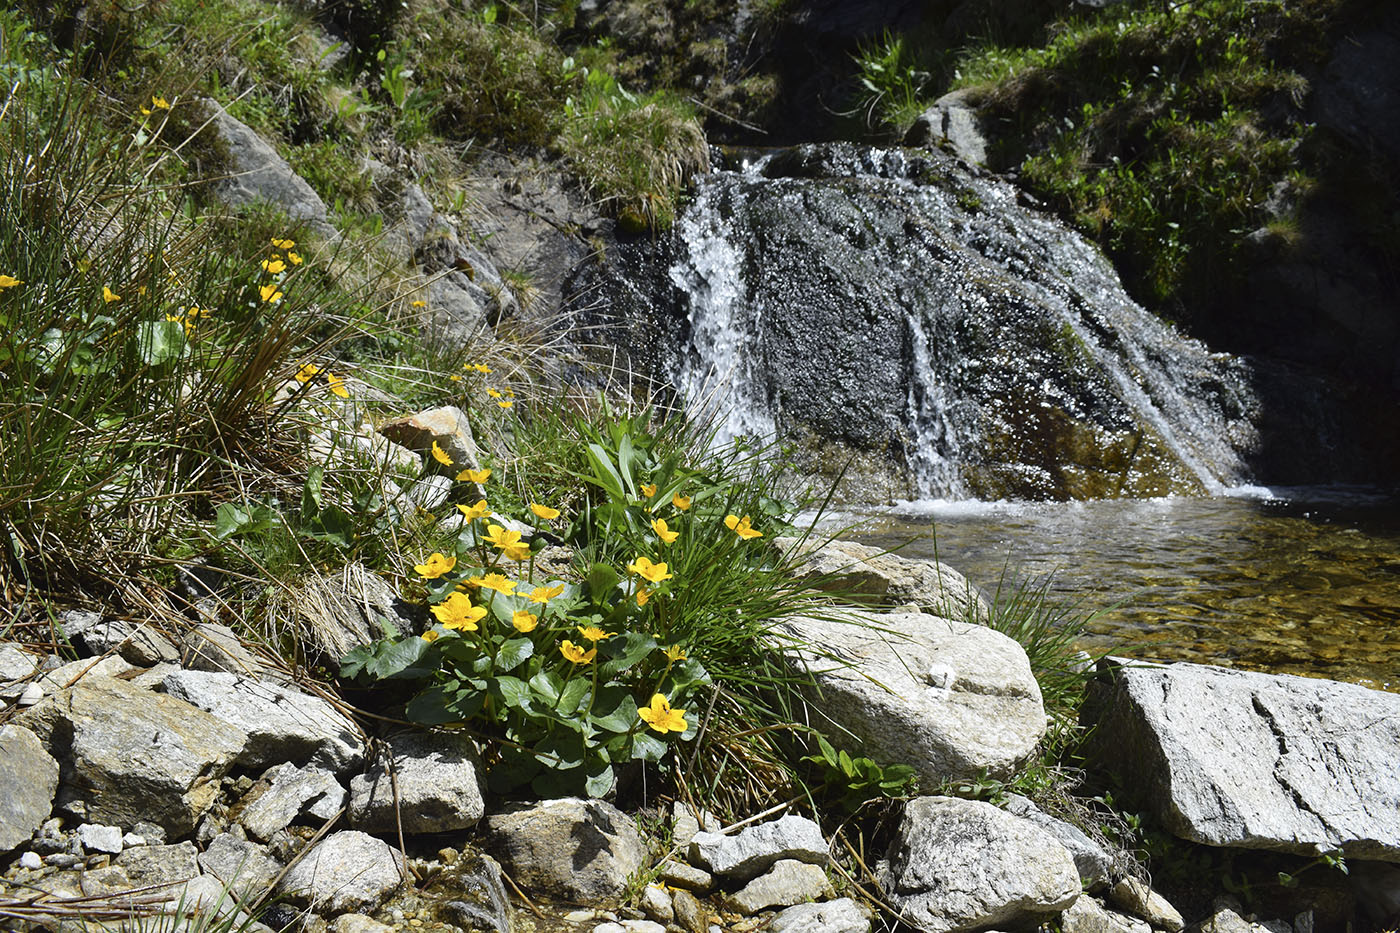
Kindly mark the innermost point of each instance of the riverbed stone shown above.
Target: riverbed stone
(842, 915)
(210, 646)
(137, 755)
(688, 877)
(244, 867)
(285, 793)
(16, 663)
(1094, 864)
(579, 850)
(955, 701)
(95, 837)
(965, 865)
(29, 778)
(346, 871)
(1086, 915)
(883, 578)
(159, 864)
(282, 724)
(1140, 900)
(753, 850)
(138, 644)
(434, 788)
(1258, 761)
(787, 883)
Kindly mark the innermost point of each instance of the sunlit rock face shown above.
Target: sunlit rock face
(893, 307)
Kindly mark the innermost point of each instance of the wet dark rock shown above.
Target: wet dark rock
(897, 307)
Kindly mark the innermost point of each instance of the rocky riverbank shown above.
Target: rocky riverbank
(151, 773)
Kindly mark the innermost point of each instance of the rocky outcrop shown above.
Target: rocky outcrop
(1256, 761)
(965, 865)
(260, 174)
(952, 700)
(952, 120)
(135, 755)
(281, 724)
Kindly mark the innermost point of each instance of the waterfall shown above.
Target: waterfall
(903, 311)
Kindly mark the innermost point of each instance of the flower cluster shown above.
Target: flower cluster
(276, 267)
(310, 373)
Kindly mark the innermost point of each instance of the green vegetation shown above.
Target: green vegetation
(1168, 132)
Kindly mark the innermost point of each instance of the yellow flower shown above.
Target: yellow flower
(681, 502)
(497, 582)
(455, 377)
(482, 368)
(506, 403)
(524, 621)
(294, 258)
(159, 103)
(269, 293)
(665, 534)
(507, 541)
(643, 596)
(493, 393)
(435, 566)
(9, 281)
(593, 632)
(440, 455)
(307, 373)
(661, 717)
(740, 526)
(544, 511)
(574, 653)
(420, 303)
(109, 296)
(474, 512)
(652, 573)
(431, 635)
(337, 385)
(456, 612)
(649, 490)
(273, 266)
(675, 653)
(283, 244)
(475, 476)
(543, 594)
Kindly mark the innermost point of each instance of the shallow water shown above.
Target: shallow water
(1303, 581)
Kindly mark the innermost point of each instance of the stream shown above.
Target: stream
(1298, 581)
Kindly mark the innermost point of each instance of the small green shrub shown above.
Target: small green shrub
(669, 587)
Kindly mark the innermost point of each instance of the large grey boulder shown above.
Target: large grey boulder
(886, 579)
(260, 174)
(757, 848)
(965, 865)
(580, 850)
(435, 776)
(951, 700)
(282, 724)
(346, 871)
(1258, 761)
(136, 755)
(28, 782)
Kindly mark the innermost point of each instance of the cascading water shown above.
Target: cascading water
(902, 311)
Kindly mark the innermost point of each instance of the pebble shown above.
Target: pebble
(62, 860)
(133, 839)
(31, 860)
(32, 694)
(656, 902)
(688, 877)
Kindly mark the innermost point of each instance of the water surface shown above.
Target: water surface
(1303, 581)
